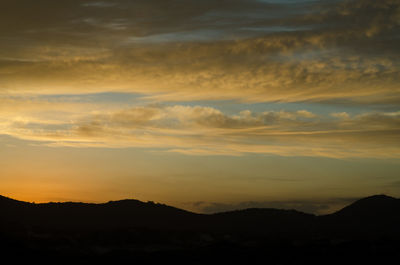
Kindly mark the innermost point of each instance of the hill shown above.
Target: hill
(132, 230)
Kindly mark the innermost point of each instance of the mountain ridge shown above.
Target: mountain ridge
(360, 204)
(151, 232)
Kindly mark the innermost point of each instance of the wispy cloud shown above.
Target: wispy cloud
(248, 51)
(200, 130)
(260, 51)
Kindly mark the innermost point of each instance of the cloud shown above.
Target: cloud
(340, 115)
(201, 130)
(329, 52)
(246, 50)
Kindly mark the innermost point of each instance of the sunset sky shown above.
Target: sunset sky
(206, 105)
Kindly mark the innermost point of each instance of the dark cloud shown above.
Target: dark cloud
(250, 50)
(76, 18)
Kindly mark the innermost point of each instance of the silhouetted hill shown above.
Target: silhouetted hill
(8, 202)
(135, 231)
(373, 216)
(272, 222)
(380, 212)
(371, 207)
(124, 213)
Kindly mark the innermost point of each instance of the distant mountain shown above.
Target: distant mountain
(267, 221)
(131, 231)
(137, 214)
(373, 216)
(8, 202)
(124, 213)
(377, 206)
(377, 213)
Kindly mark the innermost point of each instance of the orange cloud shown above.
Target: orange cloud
(204, 130)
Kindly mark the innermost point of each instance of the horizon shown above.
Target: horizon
(268, 205)
(201, 105)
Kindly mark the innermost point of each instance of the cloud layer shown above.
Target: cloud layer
(176, 50)
(201, 130)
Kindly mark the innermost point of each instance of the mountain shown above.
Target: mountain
(137, 214)
(373, 216)
(114, 214)
(379, 212)
(6, 202)
(377, 206)
(135, 231)
(264, 221)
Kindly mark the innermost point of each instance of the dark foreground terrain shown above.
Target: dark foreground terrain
(133, 232)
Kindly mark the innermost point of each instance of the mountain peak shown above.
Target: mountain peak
(6, 202)
(371, 206)
(378, 197)
(374, 201)
(7, 199)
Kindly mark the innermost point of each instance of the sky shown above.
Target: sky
(206, 105)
